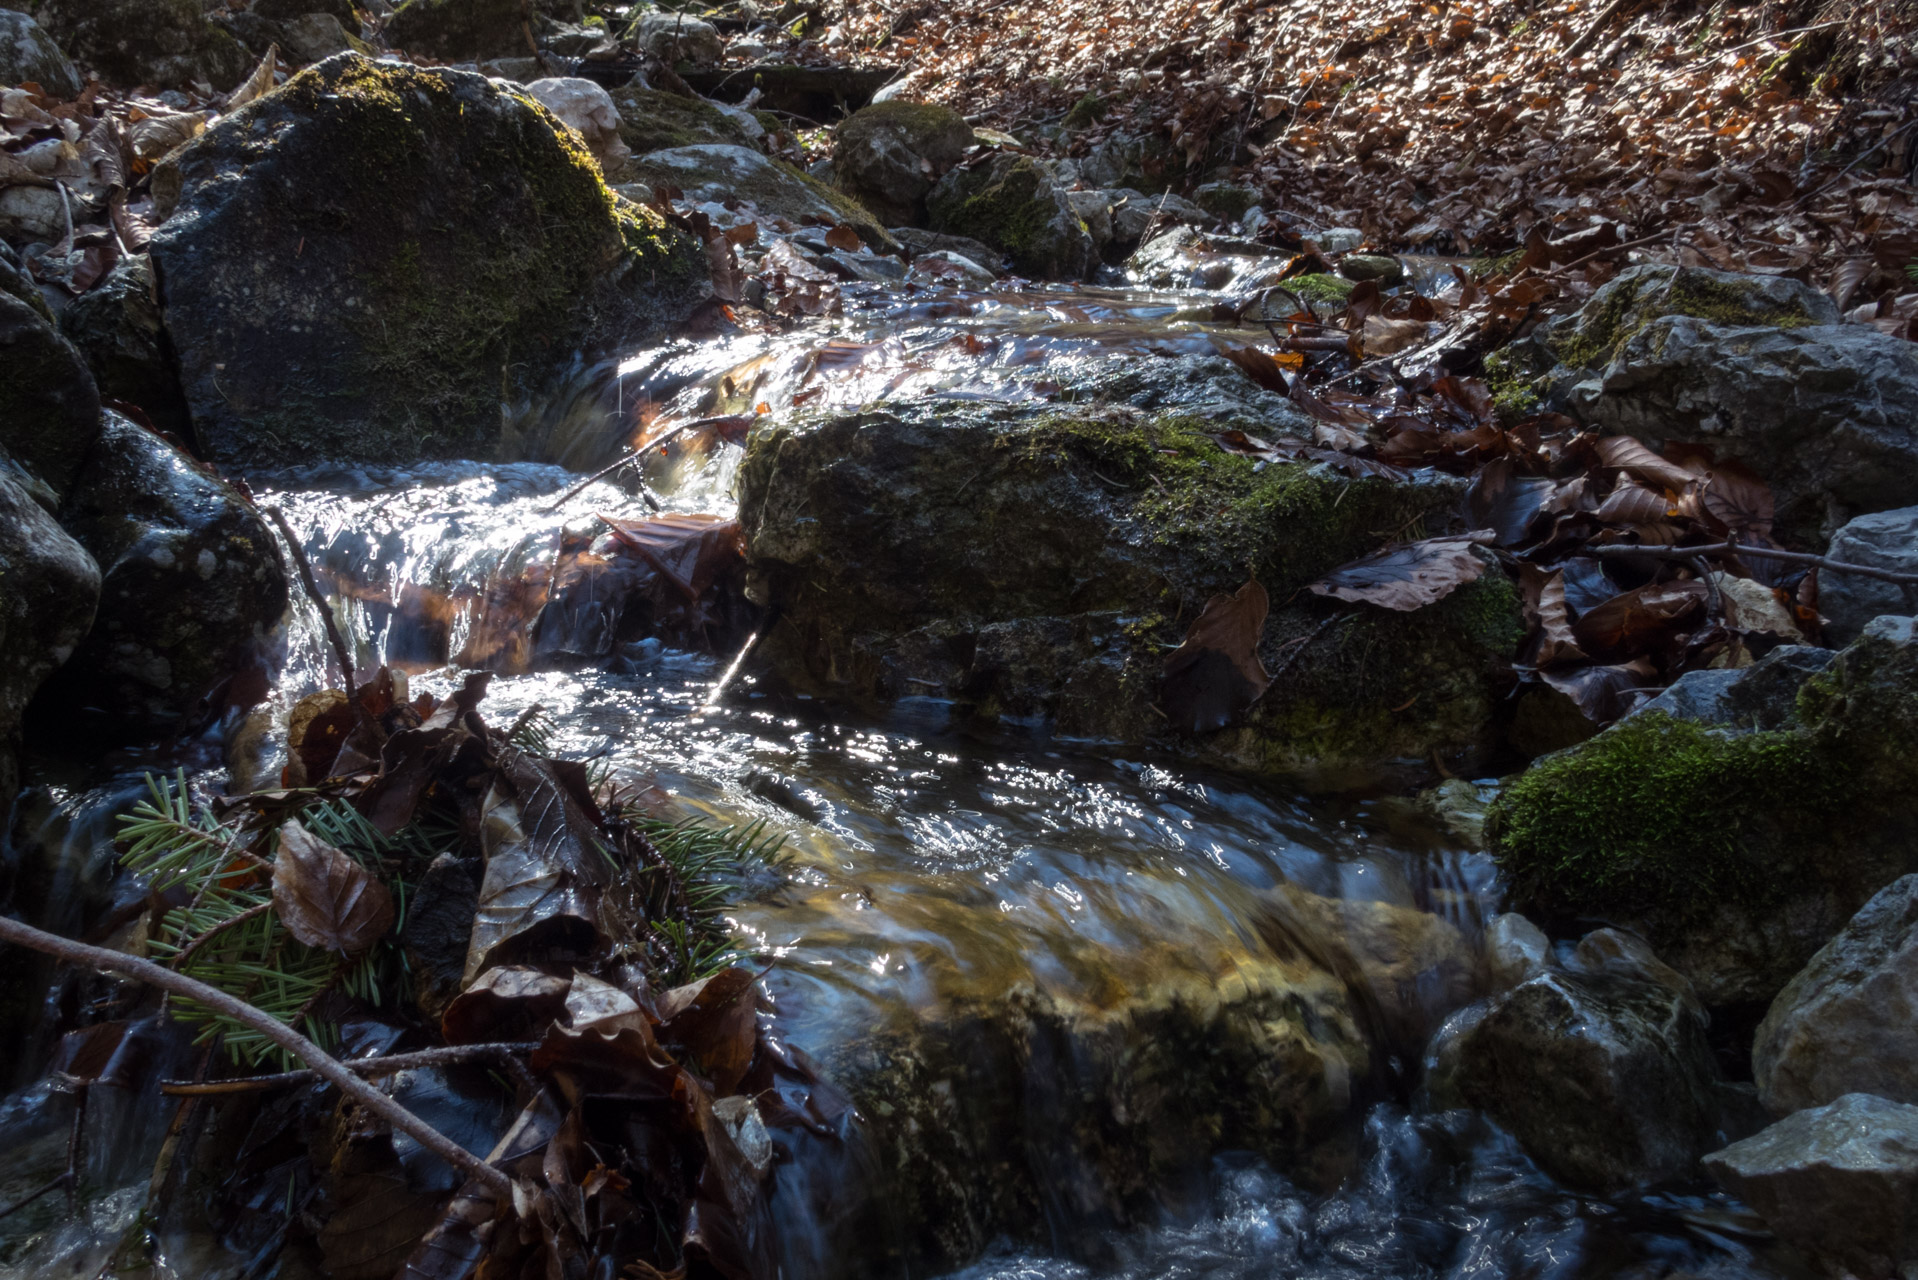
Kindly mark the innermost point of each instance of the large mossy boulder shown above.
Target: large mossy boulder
(1759, 368)
(1735, 851)
(1039, 567)
(169, 44)
(889, 155)
(49, 587)
(460, 30)
(367, 263)
(191, 589)
(717, 173)
(654, 120)
(1011, 203)
(28, 55)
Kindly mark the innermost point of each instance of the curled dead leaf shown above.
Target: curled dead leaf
(1411, 576)
(326, 899)
(1216, 673)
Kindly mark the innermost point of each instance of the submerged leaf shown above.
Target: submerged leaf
(1408, 577)
(1216, 673)
(324, 898)
(1642, 620)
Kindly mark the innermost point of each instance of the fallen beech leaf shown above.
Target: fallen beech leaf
(1507, 503)
(1216, 673)
(324, 898)
(1408, 577)
(1383, 337)
(1634, 504)
(1634, 456)
(1602, 693)
(1546, 609)
(715, 1020)
(260, 83)
(1641, 620)
(843, 237)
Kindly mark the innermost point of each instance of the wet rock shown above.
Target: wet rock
(31, 213)
(49, 587)
(997, 1115)
(29, 55)
(1458, 807)
(1607, 1082)
(1336, 239)
(1736, 853)
(316, 314)
(589, 109)
(17, 284)
(116, 326)
(1839, 1181)
(1848, 1022)
(191, 587)
(776, 189)
(889, 155)
(169, 44)
(1761, 696)
(1183, 257)
(943, 267)
(459, 30)
(1884, 540)
(674, 38)
(1126, 160)
(1136, 215)
(1759, 368)
(1037, 565)
(1384, 268)
(917, 240)
(1407, 969)
(49, 405)
(1011, 203)
(1617, 954)
(650, 120)
(1516, 951)
(869, 267)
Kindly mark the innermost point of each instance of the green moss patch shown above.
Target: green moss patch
(652, 120)
(1628, 306)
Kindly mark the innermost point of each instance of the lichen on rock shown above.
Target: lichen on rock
(368, 262)
(889, 155)
(1011, 203)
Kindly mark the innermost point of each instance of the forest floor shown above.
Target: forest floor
(1779, 136)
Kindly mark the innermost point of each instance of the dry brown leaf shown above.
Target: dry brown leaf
(1408, 577)
(1216, 673)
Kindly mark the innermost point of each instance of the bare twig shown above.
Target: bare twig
(1591, 33)
(60, 1180)
(1766, 553)
(386, 1065)
(319, 601)
(324, 1064)
(624, 458)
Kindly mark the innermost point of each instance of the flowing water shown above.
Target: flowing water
(932, 869)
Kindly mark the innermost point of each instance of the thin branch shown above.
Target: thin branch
(374, 1068)
(324, 1064)
(257, 909)
(1591, 33)
(319, 601)
(1757, 553)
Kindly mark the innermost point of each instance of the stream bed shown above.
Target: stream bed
(936, 875)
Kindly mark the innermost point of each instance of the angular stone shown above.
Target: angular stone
(29, 55)
(652, 120)
(716, 173)
(1839, 1181)
(1848, 1022)
(674, 38)
(1607, 1082)
(49, 404)
(318, 314)
(1884, 540)
(192, 586)
(1761, 696)
(589, 110)
(1011, 203)
(116, 325)
(1758, 368)
(889, 155)
(49, 587)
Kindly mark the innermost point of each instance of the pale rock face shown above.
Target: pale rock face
(673, 38)
(1884, 540)
(588, 109)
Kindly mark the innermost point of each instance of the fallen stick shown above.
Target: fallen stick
(324, 1064)
(319, 601)
(624, 459)
(385, 1065)
(1767, 553)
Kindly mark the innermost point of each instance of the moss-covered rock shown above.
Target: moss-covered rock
(1594, 336)
(1004, 1115)
(1225, 200)
(1736, 854)
(165, 43)
(49, 404)
(775, 188)
(192, 586)
(366, 263)
(889, 155)
(652, 120)
(1011, 203)
(1041, 568)
(459, 30)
